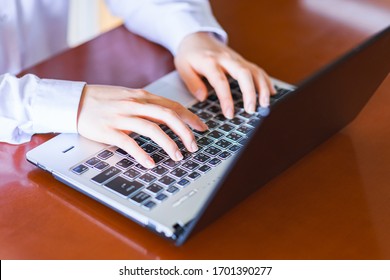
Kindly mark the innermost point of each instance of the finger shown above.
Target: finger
(192, 80)
(218, 80)
(269, 81)
(240, 72)
(260, 78)
(153, 131)
(123, 141)
(172, 120)
(185, 115)
(271, 85)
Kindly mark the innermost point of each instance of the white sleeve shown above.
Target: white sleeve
(30, 105)
(167, 22)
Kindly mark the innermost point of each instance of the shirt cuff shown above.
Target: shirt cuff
(55, 106)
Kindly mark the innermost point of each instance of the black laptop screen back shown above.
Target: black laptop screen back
(304, 119)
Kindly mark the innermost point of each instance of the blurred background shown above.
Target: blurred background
(89, 18)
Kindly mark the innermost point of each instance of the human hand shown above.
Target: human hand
(108, 114)
(201, 54)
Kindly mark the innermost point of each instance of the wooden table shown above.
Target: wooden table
(332, 204)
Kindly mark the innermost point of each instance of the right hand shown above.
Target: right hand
(108, 114)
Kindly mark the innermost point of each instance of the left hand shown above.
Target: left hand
(202, 55)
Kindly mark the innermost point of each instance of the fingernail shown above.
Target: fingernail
(204, 126)
(251, 108)
(229, 113)
(178, 155)
(199, 95)
(149, 163)
(194, 146)
(266, 100)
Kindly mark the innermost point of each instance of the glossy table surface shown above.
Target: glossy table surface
(332, 204)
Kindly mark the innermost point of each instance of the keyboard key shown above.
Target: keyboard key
(224, 155)
(200, 133)
(179, 144)
(214, 162)
(163, 153)
(236, 94)
(105, 154)
(205, 116)
(254, 122)
(212, 97)
(201, 105)
(140, 141)
(179, 173)
(121, 152)
(201, 157)
(245, 115)
(164, 127)
(143, 137)
(233, 84)
(186, 155)
(171, 163)
(205, 141)
(167, 181)
(80, 169)
(93, 161)
(154, 188)
(153, 143)
(140, 197)
(172, 190)
(149, 205)
(159, 170)
(193, 110)
(204, 168)
(140, 167)
(149, 148)
(211, 124)
(106, 175)
(171, 134)
(223, 143)
(234, 148)
(234, 136)
(216, 134)
(157, 158)
(101, 165)
(236, 121)
(220, 118)
(161, 197)
(147, 178)
(190, 165)
(124, 163)
(194, 175)
(123, 186)
(226, 127)
(212, 150)
(132, 173)
(239, 105)
(183, 182)
(244, 129)
(214, 109)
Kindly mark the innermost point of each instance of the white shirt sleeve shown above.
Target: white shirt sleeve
(30, 105)
(167, 22)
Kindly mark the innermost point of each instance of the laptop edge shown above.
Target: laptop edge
(276, 144)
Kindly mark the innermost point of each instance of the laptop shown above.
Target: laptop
(235, 157)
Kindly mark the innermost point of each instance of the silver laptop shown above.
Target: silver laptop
(235, 157)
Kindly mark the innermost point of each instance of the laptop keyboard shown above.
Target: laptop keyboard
(150, 187)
